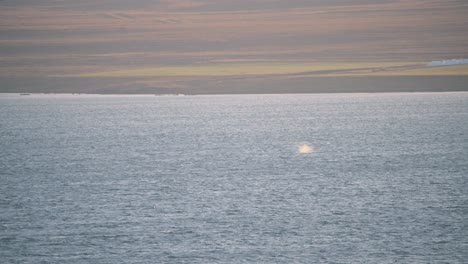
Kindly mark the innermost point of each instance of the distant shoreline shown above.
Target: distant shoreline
(240, 94)
(261, 85)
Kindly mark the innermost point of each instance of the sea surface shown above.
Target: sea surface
(220, 179)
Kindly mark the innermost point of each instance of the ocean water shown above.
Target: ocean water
(220, 179)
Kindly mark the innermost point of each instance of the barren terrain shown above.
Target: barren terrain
(207, 46)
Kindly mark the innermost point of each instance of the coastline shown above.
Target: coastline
(259, 85)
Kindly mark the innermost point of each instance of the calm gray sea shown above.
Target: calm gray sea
(220, 179)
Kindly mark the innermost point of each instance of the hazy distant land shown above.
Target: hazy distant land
(207, 46)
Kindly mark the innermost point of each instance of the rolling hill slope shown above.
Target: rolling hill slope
(50, 40)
